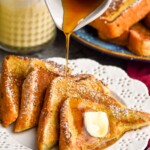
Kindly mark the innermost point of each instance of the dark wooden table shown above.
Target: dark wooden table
(77, 50)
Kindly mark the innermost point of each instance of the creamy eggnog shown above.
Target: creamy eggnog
(25, 23)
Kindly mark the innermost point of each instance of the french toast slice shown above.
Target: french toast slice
(146, 20)
(14, 71)
(121, 40)
(13, 74)
(74, 134)
(33, 90)
(139, 40)
(47, 65)
(120, 16)
(84, 86)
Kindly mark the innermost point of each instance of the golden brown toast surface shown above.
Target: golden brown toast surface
(121, 40)
(139, 40)
(120, 17)
(47, 65)
(33, 90)
(13, 74)
(14, 71)
(73, 132)
(116, 8)
(84, 86)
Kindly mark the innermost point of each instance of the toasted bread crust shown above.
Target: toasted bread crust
(121, 40)
(139, 40)
(47, 65)
(130, 16)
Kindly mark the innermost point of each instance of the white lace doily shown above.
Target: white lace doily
(132, 92)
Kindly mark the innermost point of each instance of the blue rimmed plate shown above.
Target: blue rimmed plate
(88, 36)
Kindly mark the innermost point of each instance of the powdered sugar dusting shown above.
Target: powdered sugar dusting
(9, 84)
(28, 95)
(56, 68)
(64, 124)
(116, 5)
(118, 112)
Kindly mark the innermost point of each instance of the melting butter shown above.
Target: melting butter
(96, 123)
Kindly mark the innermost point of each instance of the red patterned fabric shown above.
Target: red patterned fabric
(140, 71)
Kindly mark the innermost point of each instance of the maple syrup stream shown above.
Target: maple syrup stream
(74, 12)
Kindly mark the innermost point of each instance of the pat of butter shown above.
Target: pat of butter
(96, 123)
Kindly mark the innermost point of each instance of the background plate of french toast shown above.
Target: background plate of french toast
(123, 30)
(93, 107)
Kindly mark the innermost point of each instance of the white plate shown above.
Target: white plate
(132, 92)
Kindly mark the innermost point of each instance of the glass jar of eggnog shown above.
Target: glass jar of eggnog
(25, 26)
